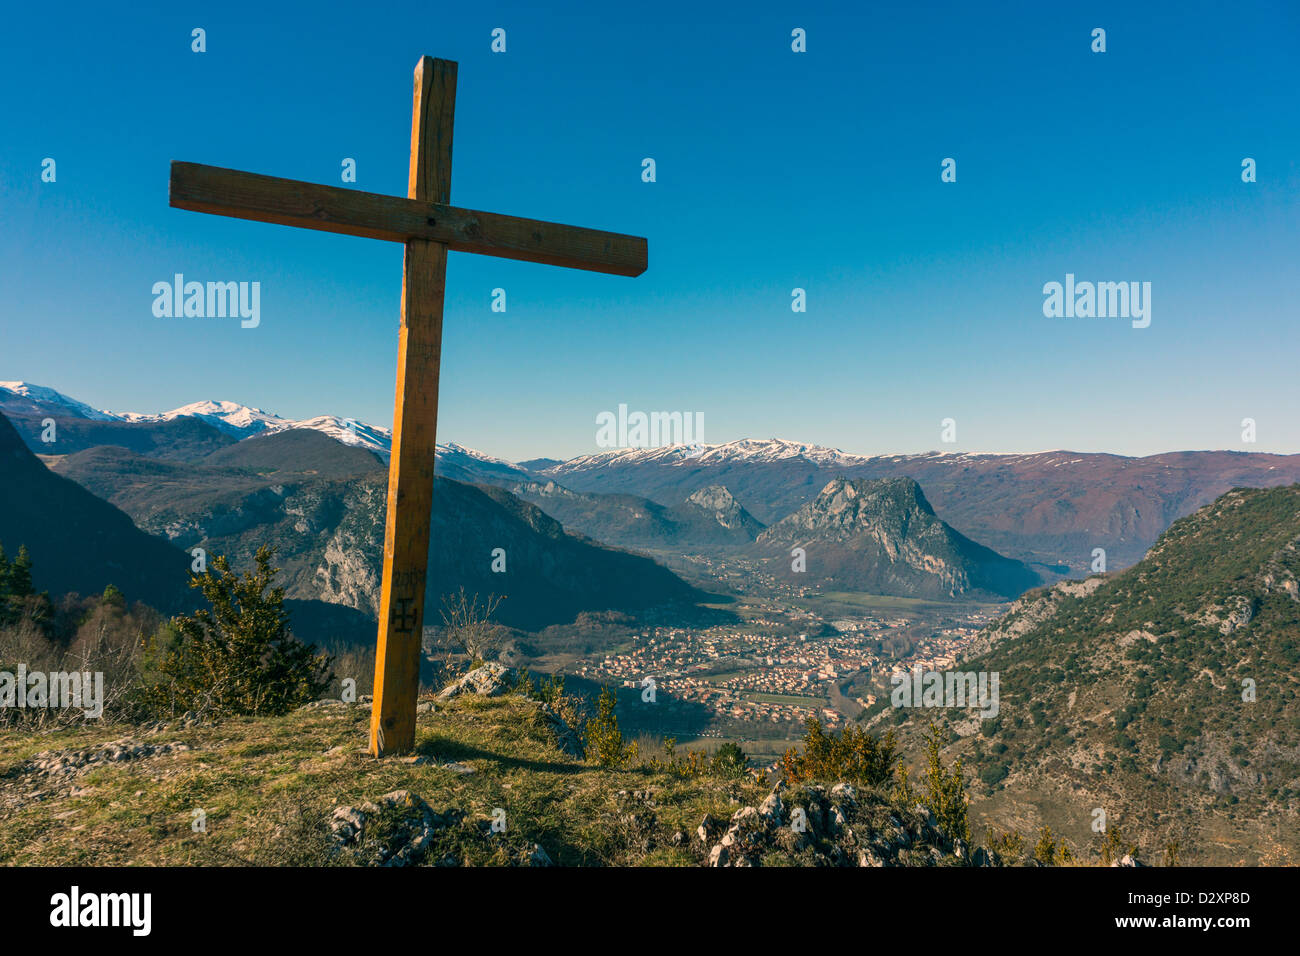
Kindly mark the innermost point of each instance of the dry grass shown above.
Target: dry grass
(268, 787)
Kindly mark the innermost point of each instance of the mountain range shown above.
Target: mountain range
(77, 541)
(1050, 509)
(22, 400)
(323, 507)
(1049, 512)
(202, 427)
(81, 543)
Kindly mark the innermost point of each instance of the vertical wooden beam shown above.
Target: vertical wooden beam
(415, 421)
(432, 119)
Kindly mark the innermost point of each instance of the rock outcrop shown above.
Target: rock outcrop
(883, 537)
(397, 829)
(488, 680)
(836, 826)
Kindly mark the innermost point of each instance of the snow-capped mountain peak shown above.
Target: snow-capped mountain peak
(452, 448)
(245, 421)
(237, 420)
(741, 450)
(241, 421)
(18, 396)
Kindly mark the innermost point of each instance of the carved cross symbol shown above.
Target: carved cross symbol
(402, 617)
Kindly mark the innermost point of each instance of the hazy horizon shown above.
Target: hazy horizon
(470, 444)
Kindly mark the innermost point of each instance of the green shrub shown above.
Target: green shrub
(15, 584)
(1048, 851)
(1006, 849)
(853, 756)
(605, 743)
(730, 760)
(945, 790)
(236, 657)
(993, 774)
(1113, 847)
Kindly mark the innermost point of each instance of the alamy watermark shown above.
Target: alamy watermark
(1102, 300)
(648, 430)
(53, 690)
(212, 300)
(951, 689)
(133, 911)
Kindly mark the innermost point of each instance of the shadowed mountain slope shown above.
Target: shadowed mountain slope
(883, 537)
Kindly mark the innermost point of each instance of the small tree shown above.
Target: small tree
(16, 587)
(1005, 849)
(1113, 846)
(854, 756)
(468, 628)
(605, 742)
(1050, 852)
(238, 657)
(945, 790)
(20, 574)
(551, 690)
(730, 760)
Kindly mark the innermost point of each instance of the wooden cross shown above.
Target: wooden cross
(428, 226)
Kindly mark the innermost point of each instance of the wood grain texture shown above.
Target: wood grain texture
(410, 500)
(434, 114)
(291, 202)
(415, 424)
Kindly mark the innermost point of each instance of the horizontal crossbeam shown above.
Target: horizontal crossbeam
(289, 202)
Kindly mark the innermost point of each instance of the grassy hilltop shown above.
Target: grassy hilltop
(273, 791)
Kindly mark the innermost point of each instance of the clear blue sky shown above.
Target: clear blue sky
(775, 170)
